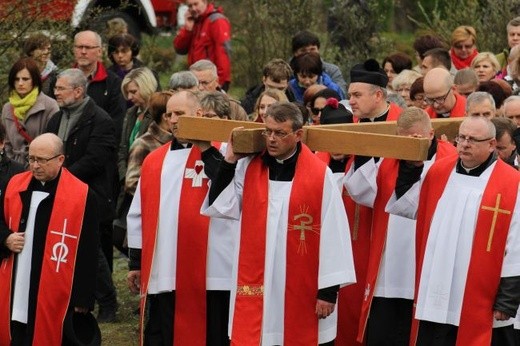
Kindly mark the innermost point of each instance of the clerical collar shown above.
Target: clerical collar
(284, 170)
(478, 170)
(287, 159)
(384, 113)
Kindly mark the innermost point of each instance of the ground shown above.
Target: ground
(125, 331)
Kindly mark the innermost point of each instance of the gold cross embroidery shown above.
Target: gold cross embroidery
(496, 210)
(306, 221)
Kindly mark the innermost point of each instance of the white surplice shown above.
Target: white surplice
(222, 238)
(23, 267)
(335, 264)
(449, 244)
(396, 276)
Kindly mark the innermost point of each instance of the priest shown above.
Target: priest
(467, 245)
(50, 231)
(294, 250)
(180, 260)
(386, 311)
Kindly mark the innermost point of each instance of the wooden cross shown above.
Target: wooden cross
(369, 139)
(496, 210)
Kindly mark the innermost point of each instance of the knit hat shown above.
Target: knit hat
(369, 72)
(335, 113)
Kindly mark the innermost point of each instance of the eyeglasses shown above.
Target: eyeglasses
(316, 111)
(41, 160)
(463, 46)
(59, 88)
(278, 135)
(459, 139)
(438, 100)
(78, 47)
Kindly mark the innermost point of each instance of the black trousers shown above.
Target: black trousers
(159, 327)
(437, 334)
(390, 322)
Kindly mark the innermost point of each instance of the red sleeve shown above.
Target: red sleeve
(182, 42)
(221, 37)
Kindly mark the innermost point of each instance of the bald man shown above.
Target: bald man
(47, 271)
(440, 95)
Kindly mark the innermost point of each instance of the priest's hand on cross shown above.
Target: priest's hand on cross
(15, 242)
(231, 156)
(324, 308)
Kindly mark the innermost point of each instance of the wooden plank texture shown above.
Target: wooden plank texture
(211, 129)
(250, 141)
(448, 127)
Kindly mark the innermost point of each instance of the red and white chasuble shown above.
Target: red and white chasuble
(350, 297)
(391, 260)
(61, 245)
(304, 246)
(467, 239)
(187, 228)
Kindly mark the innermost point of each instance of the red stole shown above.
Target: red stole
(458, 110)
(57, 274)
(386, 179)
(192, 244)
(394, 111)
(462, 63)
(350, 297)
(302, 261)
(487, 254)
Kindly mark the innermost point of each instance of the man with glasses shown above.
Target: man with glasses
(47, 274)
(443, 100)
(294, 241)
(468, 254)
(89, 140)
(206, 73)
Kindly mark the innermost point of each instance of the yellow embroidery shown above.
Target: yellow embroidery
(306, 221)
(496, 210)
(247, 290)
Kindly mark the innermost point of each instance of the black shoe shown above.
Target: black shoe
(107, 315)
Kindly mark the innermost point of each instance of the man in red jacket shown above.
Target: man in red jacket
(206, 35)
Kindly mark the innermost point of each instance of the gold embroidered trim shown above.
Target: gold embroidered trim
(247, 290)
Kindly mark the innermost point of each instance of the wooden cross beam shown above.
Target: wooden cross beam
(319, 138)
(448, 127)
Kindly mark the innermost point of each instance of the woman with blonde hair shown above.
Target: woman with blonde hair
(263, 102)
(486, 66)
(137, 86)
(463, 46)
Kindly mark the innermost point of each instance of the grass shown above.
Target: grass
(125, 331)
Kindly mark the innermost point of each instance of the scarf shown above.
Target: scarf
(49, 68)
(22, 105)
(462, 63)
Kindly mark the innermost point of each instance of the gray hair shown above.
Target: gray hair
(479, 97)
(204, 65)
(510, 99)
(405, 77)
(183, 80)
(286, 111)
(466, 76)
(217, 102)
(75, 77)
(97, 36)
(492, 131)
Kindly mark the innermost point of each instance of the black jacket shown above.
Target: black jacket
(252, 94)
(90, 153)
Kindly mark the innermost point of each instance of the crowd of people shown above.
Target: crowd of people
(283, 247)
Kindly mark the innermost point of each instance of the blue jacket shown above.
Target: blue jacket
(323, 79)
